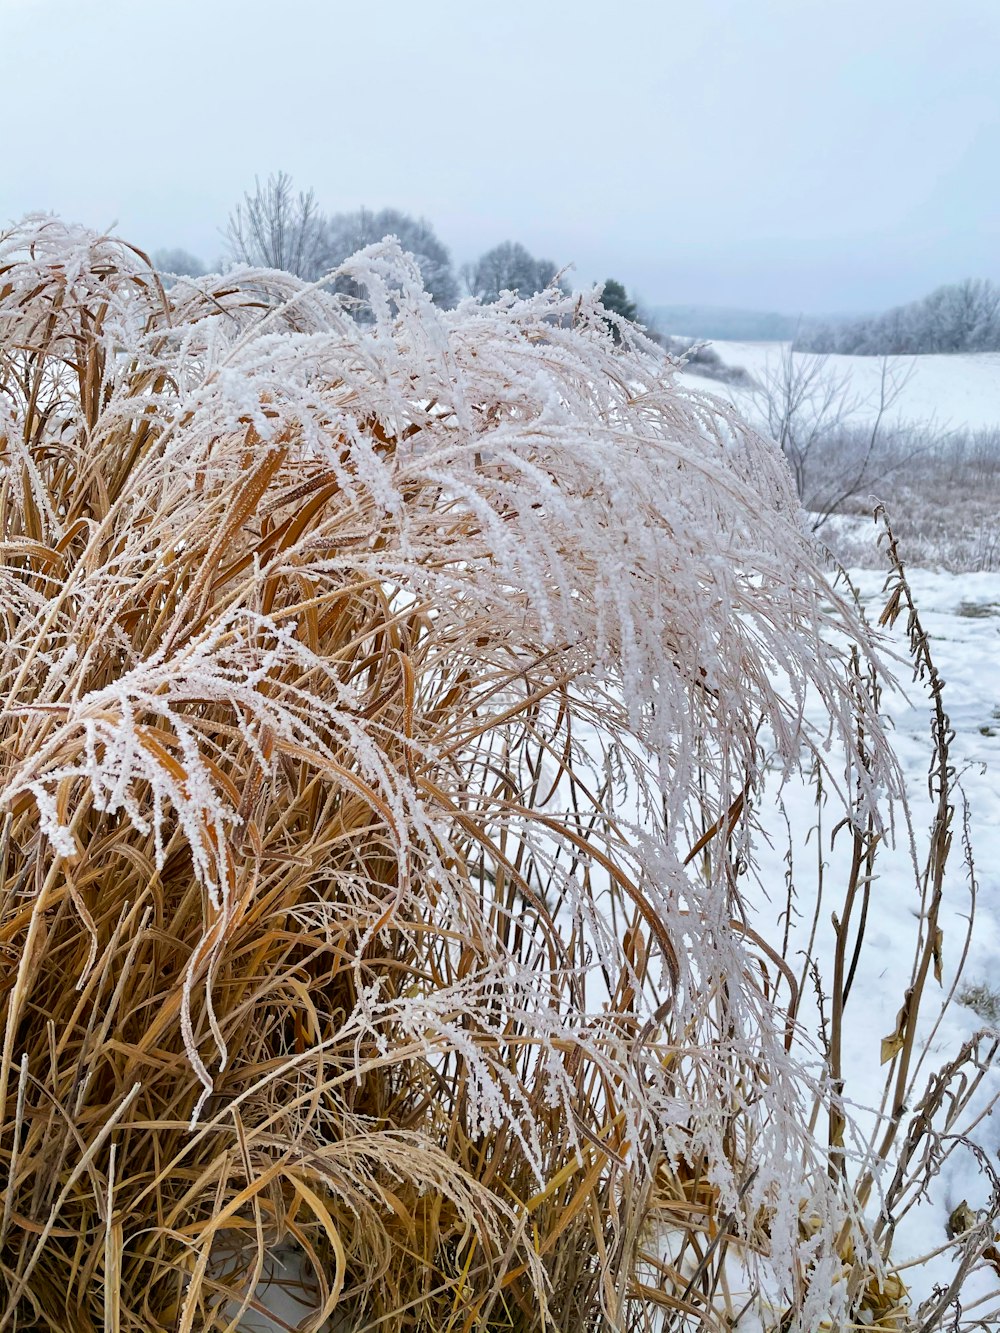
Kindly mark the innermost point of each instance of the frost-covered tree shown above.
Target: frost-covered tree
(508, 267)
(178, 263)
(960, 317)
(275, 227)
(964, 317)
(346, 233)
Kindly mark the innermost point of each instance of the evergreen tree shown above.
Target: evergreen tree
(615, 298)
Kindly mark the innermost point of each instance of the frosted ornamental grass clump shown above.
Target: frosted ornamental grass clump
(382, 708)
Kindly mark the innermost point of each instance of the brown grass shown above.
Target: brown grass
(324, 917)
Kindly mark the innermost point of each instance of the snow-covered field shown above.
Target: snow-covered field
(961, 615)
(948, 392)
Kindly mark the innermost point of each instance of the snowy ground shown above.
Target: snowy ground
(961, 614)
(947, 392)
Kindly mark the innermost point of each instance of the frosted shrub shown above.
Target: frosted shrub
(382, 717)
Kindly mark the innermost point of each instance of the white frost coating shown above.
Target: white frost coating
(509, 467)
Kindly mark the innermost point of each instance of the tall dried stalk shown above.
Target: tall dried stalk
(380, 716)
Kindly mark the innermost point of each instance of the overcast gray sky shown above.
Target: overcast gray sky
(800, 155)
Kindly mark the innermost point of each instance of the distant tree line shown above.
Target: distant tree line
(961, 317)
(277, 226)
(725, 323)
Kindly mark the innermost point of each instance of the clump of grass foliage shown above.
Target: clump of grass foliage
(984, 999)
(384, 701)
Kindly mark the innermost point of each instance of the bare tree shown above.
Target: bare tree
(960, 317)
(177, 263)
(834, 438)
(276, 228)
(349, 232)
(507, 267)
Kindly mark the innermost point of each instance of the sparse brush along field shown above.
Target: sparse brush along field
(921, 434)
(390, 698)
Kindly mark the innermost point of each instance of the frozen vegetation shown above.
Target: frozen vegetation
(959, 317)
(456, 841)
(921, 434)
